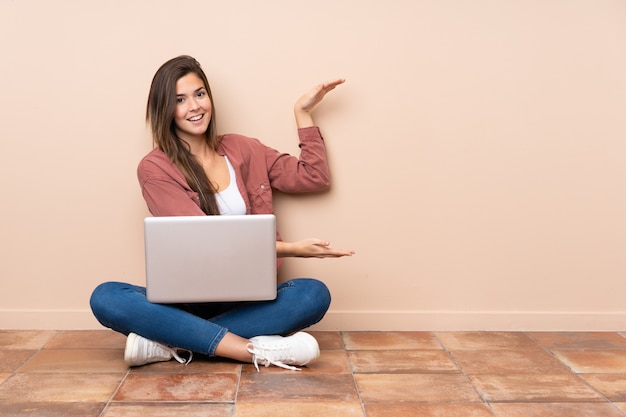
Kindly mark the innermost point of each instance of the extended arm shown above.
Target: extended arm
(311, 248)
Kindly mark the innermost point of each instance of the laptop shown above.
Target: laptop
(193, 259)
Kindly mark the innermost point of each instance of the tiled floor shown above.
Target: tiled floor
(372, 374)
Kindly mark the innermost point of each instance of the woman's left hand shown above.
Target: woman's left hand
(307, 102)
(312, 98)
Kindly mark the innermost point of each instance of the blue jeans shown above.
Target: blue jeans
(200, 327)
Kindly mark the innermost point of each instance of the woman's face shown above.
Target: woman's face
(193, 107)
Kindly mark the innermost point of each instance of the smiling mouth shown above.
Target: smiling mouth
(196, 118)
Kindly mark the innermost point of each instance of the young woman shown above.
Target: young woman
(193, 171)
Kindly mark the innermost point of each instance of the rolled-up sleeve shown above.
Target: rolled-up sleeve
(308, 172)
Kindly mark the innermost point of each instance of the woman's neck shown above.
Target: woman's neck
(199, 147)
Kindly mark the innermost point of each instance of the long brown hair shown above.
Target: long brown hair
(160, 115)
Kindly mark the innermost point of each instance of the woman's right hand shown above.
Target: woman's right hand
(310, 248)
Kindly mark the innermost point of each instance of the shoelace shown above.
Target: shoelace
(159, 347)
(267, 356)
(183, 360)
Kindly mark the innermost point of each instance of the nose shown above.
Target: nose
(193, 104)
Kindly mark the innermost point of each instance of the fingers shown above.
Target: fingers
(334, 83)
(330, 85)
(328, 252)
(335, 254)
(327, 86)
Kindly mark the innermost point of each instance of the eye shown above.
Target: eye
(201, 94)
(179, 100)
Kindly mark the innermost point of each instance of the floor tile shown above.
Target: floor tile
(556, 410)
(328, 340)
(389, 340)
(427, 410)
(612, 386)
(580, 340)
(178, 387)
(62, 387)
(425, 374)
(329, 362)
(499, 362)
(295, 386)
(486, 341)
(534, 388)
(415, 388)
(11, 360)
(401, 361)
(197, 366)
(299, 409)
(74, 409)
(87, 339)
(91, 360)
(160, 409)
(25, 339)
(600, 362)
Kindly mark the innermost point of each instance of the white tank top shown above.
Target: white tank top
(230, 201)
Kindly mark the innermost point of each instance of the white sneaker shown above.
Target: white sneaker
(140, 351)
(298, 349)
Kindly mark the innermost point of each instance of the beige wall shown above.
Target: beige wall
(478, 151)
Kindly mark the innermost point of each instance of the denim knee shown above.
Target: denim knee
(96, 300)
(103, 303)
(315, 296)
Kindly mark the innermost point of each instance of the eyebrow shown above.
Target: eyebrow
(199, 89)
